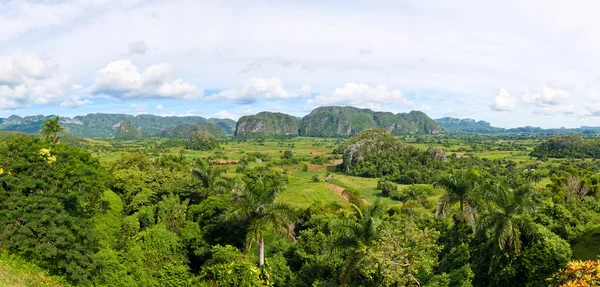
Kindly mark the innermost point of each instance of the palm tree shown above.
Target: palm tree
(461, 187)
(213, 178)
(506, 217)
(255, 203)
(358, 233)
(50, 130)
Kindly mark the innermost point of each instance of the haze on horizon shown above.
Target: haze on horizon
(511, 63)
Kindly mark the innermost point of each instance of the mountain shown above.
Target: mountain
(467, 125)
(127, 131)
(187, 131)
(101, 125)
(347, 121)
(267, 124)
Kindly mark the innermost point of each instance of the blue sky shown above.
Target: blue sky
(512, 63)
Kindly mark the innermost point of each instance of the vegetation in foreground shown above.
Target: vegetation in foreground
(382, 211)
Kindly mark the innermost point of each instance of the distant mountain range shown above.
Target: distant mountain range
(330, 121)
(471, 126)
(106, 125)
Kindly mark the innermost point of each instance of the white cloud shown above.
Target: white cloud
(252, 90)
(548, 97)
(74, 102)
(27, 79)
(138, 48)
(159, 107)
(504, 102)
(361, 95)
(22, 66)
(121, 79)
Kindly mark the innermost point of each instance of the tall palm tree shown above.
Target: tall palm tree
(50, 130)
(357, 233)
(506, 217)
(461, 187)
(255, 203)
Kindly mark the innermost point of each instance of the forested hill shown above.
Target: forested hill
(267, 124)
(347, 121)
(106, 125)
(467, 125)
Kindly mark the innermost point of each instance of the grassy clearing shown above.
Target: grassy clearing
(16, 272)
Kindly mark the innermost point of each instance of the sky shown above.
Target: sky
(511, 63)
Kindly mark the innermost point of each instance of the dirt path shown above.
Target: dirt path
(340, 191)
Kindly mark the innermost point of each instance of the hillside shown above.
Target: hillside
(347, 121)
(127, 131)
(467, 125)
(101, 125)
(186, 131)
(267, 124)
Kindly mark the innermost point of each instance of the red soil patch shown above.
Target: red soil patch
(316, 167)
(225, 161)
(338, 161)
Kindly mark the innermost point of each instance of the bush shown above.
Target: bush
(388, 188)
(315, 178)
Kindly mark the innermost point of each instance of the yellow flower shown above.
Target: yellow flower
(1, 170)
(45, 153)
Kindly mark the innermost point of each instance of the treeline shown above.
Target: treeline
(573, 146)
(376, 153)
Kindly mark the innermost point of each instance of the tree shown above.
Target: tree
(255, 203)
(212, 178)
(46, 205)
(506, 217)
(460, 187)
(50, 130)
(357, 233)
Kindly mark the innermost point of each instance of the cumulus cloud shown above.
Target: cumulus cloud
(29, 78)
(504, 102)
(159, 107)
(361, 95)
(548, 97)
(138, 48)
(250, 92)
(121, 79)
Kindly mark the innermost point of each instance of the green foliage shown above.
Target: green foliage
(201, 140)
(348, 121)
(376, 153)
(188, 130)
(571, 146)
(267, 124)
(229, 267)
(388, 189)
(127, 131)
(46, 205)
(50, 130)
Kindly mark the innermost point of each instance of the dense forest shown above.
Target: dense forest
(572, 146)
(245, 212)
